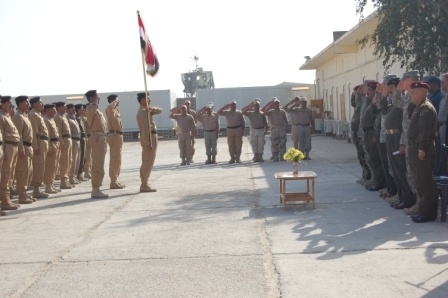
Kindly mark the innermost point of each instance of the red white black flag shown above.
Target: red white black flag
(152, 63)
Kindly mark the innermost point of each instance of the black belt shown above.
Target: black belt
(257, 127)
(76, 138)
(232, 127)
(209, 130)
(66, 136)
(11, 143)
(28, 144)
(54, 139)
(83, 135)
(304, 124)
(116, 131)
(153, 132)
(367, 129)
(43, 138)
(88, 135)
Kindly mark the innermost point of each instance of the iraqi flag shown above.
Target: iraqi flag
(152, 63)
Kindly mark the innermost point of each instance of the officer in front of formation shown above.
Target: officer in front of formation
(421, 142)
(25, 150)
(11, 139)
(115, 140)
(97, 125)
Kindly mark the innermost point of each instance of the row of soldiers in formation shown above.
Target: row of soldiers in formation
(300, 114)
(40, 142)
(395, 127)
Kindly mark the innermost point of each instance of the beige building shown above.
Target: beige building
(339, 68)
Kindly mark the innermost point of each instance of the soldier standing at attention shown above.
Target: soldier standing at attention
(79, 109)
(186, 131)
(405, 86)
(393, 129)
(65, 143)
(88, 155)
(235, 130)
(259, 128)
(304, 118)
(357, 99)
(97, 125)
(115, 140)
(279, 121)
(147, 128)
(25, 150)
(368, 117)
(40, 146)
(421, 142)
(191, 112)
(11, 140)
(75, 133)
(210, 122)
(51, 160)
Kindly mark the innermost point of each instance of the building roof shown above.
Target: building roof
(345, 44)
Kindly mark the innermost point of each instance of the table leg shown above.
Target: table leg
(314, 194)
(443, 198)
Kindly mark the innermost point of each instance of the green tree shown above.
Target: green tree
(412, 32)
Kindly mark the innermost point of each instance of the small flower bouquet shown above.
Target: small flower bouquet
(294, 155)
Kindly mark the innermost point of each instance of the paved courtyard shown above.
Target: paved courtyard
(220, 231)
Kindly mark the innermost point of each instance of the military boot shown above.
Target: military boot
(73, 180)
(81, 178)
(114, 184)
(23, 199)
(209, 159)
(260, 157)
(38, 194)
(87, 175)
(275, 155)
(213, 159)
(144, 187)
(255, 159)
(50, 190)
(307, 155)
(65, 184)
(184, 162)
(98, 194)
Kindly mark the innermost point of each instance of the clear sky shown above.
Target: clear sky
(63, 47)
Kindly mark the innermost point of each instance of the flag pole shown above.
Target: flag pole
(146, 91)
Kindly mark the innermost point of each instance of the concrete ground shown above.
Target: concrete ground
(219, 231)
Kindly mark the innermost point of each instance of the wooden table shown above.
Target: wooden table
(309, 195)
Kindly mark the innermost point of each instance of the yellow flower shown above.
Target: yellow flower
(294, 155)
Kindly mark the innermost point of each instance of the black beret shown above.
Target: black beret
(90, 93)
(48, 105)
(111, 97)
(393, 81)
(372, 84)
(59, 104)
(5, 98)
(34, 99)
(78, 106)
(419, 85)
(140, 96)
(70, 106)
(21, 98)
